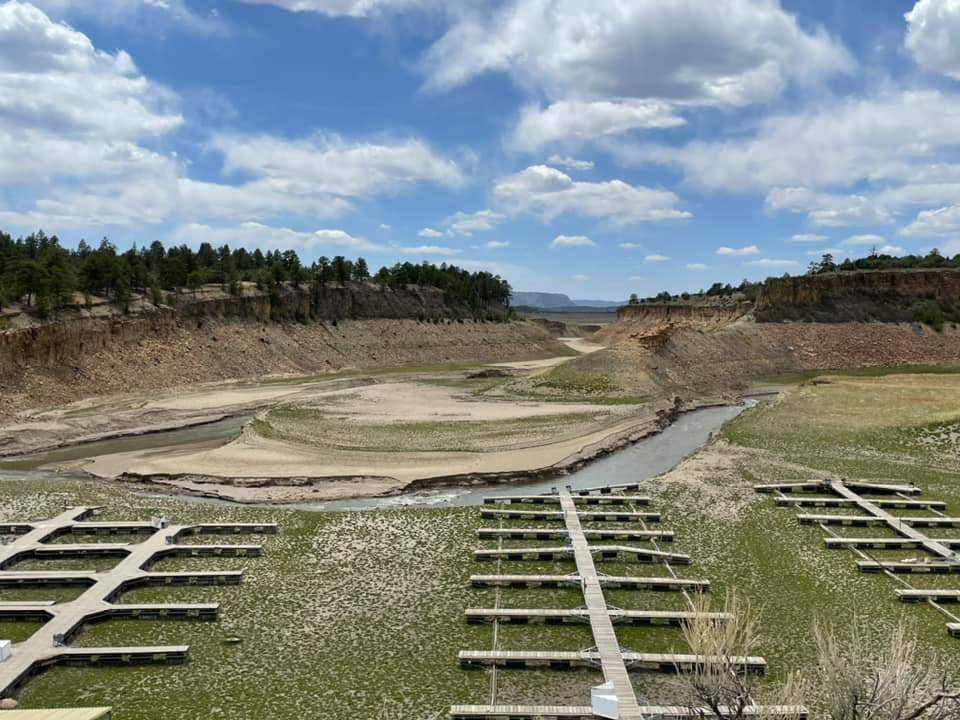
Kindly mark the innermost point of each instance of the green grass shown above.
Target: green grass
(344, 612)
(796, 378)
(577, 382)
(349, 611)
(862, 426)
(319, 428)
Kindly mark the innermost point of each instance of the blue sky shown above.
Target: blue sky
(594, 147)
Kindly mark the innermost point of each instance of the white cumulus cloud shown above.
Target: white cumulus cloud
(723, 52)
(571, 163)
(350, 8)
(429, 250)
(257, 235)
(891, 250)
(611, 67)
(588, 120)
(462, 223)
(942, 222)
(746, 250)
(933, 27)
(656, 258)
(561, 241)
(549, 193)
(429, 233)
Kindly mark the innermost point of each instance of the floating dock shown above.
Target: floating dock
(577, 500)
(616, 582)
(558, 516)
(99, 601)
(559, 712)
(604, 552)
(939, 596)
(615, 662)
(554, 616)
(654, 662)
(936, 556)
(489, 533)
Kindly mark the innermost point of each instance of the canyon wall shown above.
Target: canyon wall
(887, 296)
(135, 355)
(73, 336)
(351, 301)
(691, 311)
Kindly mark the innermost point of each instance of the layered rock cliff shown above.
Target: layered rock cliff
(886, 296)
(73, 336)
(692, 311)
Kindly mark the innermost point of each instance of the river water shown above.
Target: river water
(642, 460)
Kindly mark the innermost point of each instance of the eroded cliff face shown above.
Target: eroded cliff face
(353, 301)
(193, 350)
(669, 312)
(63, 342)
(68, 340)
(889, 296)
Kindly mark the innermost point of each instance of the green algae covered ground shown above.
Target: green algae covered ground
(353, 615)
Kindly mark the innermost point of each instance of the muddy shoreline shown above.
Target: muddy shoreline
(277, 490)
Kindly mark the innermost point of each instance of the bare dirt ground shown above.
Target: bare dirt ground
(354, 434)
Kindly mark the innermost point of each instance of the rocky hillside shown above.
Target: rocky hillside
(78, 359)
(692, 311)
(927, 296)
(211, 335)
(100, 325)
(696, 359)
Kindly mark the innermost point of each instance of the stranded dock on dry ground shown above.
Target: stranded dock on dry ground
(616, 697)
(50, 644)
(938, 556)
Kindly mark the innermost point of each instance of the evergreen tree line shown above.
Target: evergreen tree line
(41, 274)
(875, 261)
(746, 290)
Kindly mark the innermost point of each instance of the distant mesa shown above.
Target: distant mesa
(558, 301)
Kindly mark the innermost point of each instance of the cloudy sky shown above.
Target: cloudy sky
(594, 147)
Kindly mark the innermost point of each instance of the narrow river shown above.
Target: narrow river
(642, 460)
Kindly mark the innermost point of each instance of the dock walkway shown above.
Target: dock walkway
(606, 654)
(605, 637)
(49, 645)
(941, 554)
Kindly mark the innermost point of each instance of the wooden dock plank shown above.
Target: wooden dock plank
(875, 521)
(612, 581)
(814, 485)
(604, 551)
(899, 566)
(577, 500)
(659, 662)
(489, 533)
(560, 615)
(919, 595)
(608, 647)
(819, 501)
(892, 543)
(557, 516)
(649, 712)
(521, 712)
